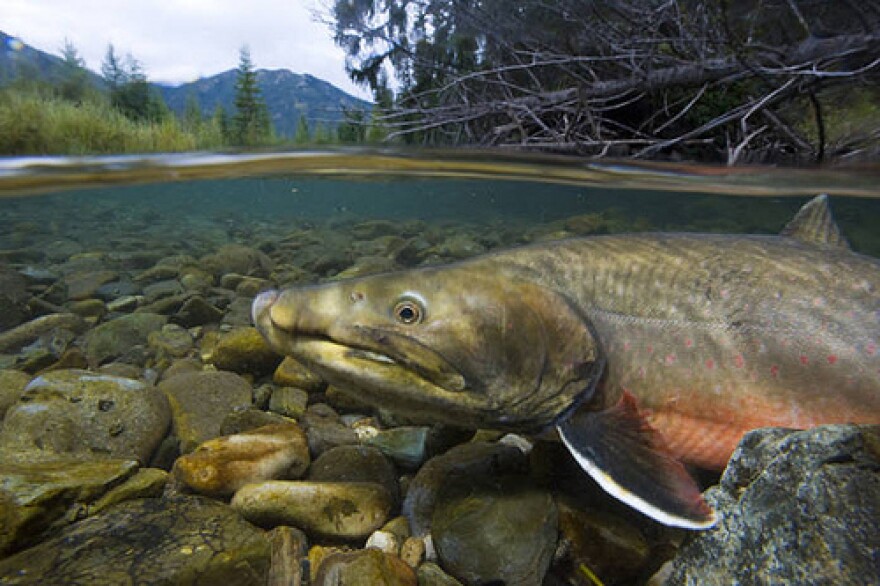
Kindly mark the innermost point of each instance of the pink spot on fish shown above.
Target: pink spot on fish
(650, 349)
(710, 364)
(670, 359)
(871, 349)
(774, 371)
(688, 343)
(739, 361)
(804, 360)
(832, 358)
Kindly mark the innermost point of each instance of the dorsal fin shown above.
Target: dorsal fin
(814, 224)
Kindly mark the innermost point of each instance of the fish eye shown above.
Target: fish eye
(408, 312)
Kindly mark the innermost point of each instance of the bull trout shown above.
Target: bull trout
(645, 351)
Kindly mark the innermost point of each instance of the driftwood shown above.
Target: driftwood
(633, 77)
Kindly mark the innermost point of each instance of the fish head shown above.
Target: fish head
(457, 344)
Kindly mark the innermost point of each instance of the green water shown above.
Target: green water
(101, 204)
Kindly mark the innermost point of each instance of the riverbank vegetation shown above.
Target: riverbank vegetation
(778, 81)
(77, 113)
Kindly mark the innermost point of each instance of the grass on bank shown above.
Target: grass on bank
(35, 124)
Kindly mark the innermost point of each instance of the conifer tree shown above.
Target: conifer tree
(303, 135)
(251, 124)
(74, 86)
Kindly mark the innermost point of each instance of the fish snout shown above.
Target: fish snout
(262, 302)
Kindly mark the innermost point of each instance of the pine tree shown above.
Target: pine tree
(303, 136)
(251, 124)
(74, 86)
(192, 113)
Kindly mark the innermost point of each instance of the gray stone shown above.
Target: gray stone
(356, 464)
(405, 445)
(116, 289)
(197, 311)
(289, 401)
(795, 507)
(495, 529)
(118, 336)
(200, 401)
(235, 258)
(472, 459)
(186, 540)
(81, 412)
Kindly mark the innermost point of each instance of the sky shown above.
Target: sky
(177, 41)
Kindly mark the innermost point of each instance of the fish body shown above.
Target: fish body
(645, 351)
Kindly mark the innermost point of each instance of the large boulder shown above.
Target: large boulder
(81, 412)
(185, 540)
(795, 507)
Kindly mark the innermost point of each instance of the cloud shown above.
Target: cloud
(182, 40)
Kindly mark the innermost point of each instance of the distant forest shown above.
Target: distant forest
(778, 81)
(52, 105)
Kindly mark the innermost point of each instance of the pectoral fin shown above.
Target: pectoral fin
(625, 456)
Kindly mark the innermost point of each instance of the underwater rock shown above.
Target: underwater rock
(368, 567)
(82, 412)
(85, 284)
(430, 574)
(13, 295)
(607, 545)
(372, 229)
(325, 434)
(242, 420)
(406, 445)
(180, 540)
(356, 464)
(197, 311)
(116, 289)
(495, 529)
(235, 258)
(220, 466)
(200, 401)
(335, 510)
(289, 401)
(794, 507)
(470, 459)
(12, 383)
(172, 341)
(145, 483)
(243, 350)
(291, 373)
(289, 549)
(117, 337)
(22, 335)
(35, 495)
(367, 265)
(162, 289)
(180, 366)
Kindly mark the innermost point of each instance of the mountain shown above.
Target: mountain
(20, 60)
(288, 95)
